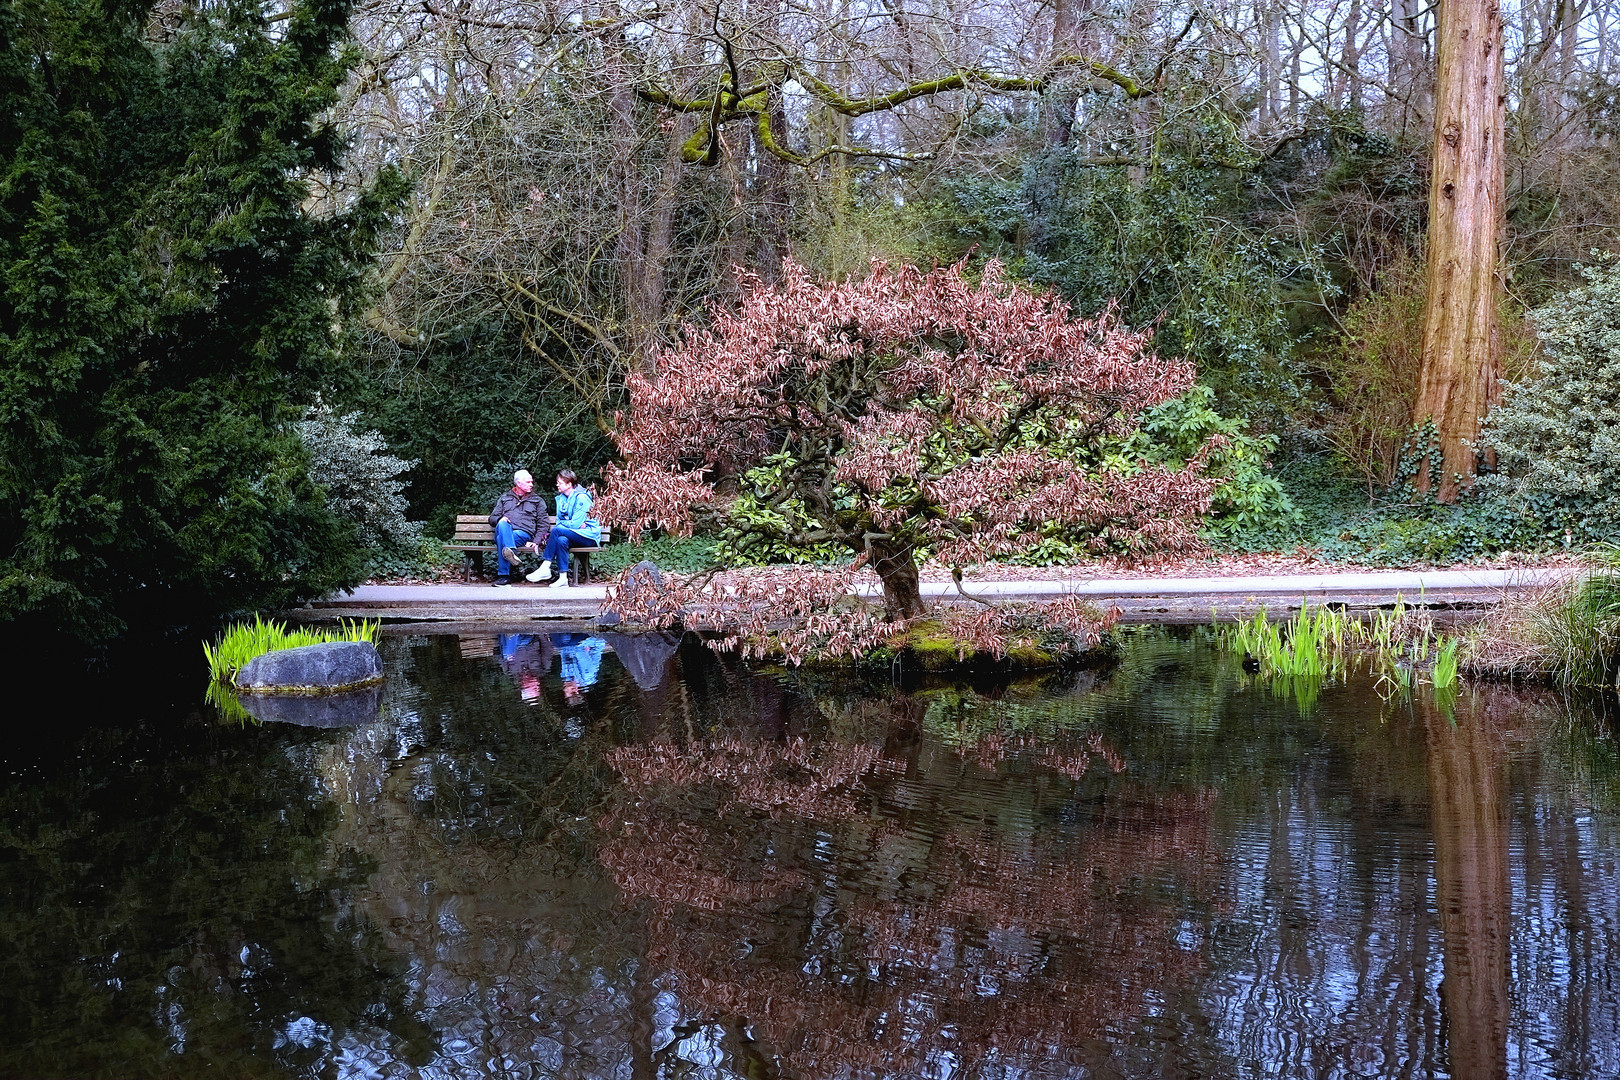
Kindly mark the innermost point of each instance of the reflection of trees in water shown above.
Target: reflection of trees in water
(475, 808)
(764, 873)
(727, 867)
(784, 889)
(1467, 792)
(169, 910)
(1397, 888)
(792, 776)
(1526, 884)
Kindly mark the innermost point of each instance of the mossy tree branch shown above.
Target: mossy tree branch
(752, 102)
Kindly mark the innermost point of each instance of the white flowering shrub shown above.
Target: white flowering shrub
(361, 478)
(1557, 435)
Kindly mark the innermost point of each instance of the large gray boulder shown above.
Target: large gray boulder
(644, 575)
(312, 669)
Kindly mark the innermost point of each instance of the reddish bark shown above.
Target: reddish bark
(1461, 351)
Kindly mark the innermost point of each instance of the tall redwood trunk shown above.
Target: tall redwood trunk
(1461, 353)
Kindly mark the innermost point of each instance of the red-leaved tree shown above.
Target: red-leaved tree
(908, 411)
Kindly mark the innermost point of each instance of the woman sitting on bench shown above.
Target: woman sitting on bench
(575, 527)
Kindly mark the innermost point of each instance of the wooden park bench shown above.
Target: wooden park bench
(475, 538)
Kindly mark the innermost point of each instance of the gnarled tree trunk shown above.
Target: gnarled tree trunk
(1461, 354)
(902, 592)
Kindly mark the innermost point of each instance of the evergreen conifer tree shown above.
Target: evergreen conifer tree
(169, 304)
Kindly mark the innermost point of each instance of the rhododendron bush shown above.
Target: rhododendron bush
(907, 411)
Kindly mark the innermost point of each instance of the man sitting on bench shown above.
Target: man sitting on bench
(519, 515)
(575, 526)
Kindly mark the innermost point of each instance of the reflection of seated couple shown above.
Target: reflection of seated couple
(527, 658)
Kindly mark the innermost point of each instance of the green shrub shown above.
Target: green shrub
(170, 295)
(1373, 372)
(761, 520)
(1249, 498)
(1168, 253)
(1557, 435)
(1401, 528)
(681, 555)
(469, 408)
(360, 477)
(417, 557)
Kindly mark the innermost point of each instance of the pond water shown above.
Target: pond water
(573, 856)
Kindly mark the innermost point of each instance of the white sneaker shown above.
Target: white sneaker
(541, 574)
(561, 582)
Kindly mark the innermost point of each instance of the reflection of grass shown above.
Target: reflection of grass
(244, 641)
(962, 719)
(224, 699)
(1304, 689)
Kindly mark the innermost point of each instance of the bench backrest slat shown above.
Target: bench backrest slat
(475, 529)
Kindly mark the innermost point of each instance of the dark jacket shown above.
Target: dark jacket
(527, 515)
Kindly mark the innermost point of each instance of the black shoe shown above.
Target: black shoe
(502, 582)
(511, 557)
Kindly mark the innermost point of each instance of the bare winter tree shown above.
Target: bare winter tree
(590, 172)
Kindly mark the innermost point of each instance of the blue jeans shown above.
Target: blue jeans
(506, 537)
(557, 547)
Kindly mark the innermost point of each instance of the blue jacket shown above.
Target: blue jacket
(574, 512)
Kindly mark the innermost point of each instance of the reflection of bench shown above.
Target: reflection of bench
(475, 538)
(474, 646)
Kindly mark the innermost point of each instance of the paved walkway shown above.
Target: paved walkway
(1147, 599)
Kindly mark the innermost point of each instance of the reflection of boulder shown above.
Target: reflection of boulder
(329, 666)
(645, 656)
(317, 710)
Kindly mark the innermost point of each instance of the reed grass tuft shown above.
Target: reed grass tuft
(1316, 646)
(1444, 672)
(244, 641)
(1568, 635)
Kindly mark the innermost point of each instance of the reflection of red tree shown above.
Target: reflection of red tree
(788, 777)
(1073, 761)
(1004, 943)
(675, 862)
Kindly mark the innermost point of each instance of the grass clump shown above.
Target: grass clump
(1298, 655)
(1568, 635)
(244, 641)
(1309, 646)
